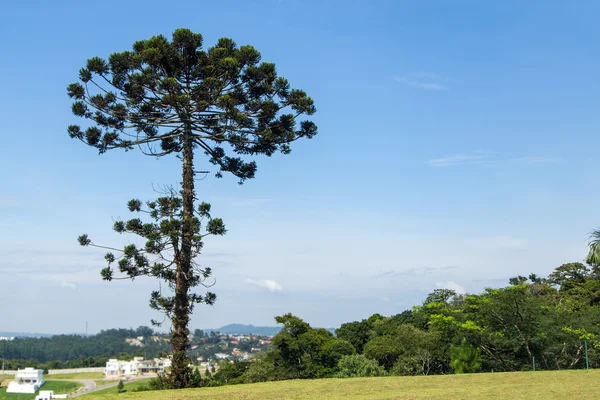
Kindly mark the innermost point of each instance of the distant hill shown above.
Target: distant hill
(241, 329)
(26, 334)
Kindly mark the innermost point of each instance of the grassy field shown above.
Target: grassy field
(129, 386)
(81, 375)
(580, 385)
(59, 387)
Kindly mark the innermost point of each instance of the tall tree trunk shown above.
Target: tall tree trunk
(180, 371)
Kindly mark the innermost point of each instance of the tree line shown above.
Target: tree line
(552, 322)
(78, 351)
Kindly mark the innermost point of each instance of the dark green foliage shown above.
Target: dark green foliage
(440, 296)
(261, 369)
(497, 330)
(358, 366)
(198, 335)
(157, 258)
(160, 383)
(142, 388)
(231, 373)
(569, 276)
(401, 349)
(76, 351)
(197, 380)
(465, 358)
(356, 333)
(120, 386)
(229, 98)
(593, 257)
(299, 351)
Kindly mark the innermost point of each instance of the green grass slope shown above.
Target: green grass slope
(80, 375)
(580, 385)
(128, 387)
(59, 387)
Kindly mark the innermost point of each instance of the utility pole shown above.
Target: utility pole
(587, 360)
(86, 328)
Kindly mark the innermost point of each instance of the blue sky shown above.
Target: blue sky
(457, 147)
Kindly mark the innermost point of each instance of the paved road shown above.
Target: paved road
(90, 386)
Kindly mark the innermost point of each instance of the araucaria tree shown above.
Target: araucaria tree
(173, 97)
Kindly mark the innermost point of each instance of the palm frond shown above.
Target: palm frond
(594, 244)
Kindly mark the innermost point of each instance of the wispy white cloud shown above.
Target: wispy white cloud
(410, 271)
(458, 159)
(67, 285)
(452, 286)
(423, 80)
(269, 284)
(487, 158)
(497, 242)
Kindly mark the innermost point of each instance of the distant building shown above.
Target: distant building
(138, 366)
(204, 366)
(49, 395)
(222, 356)
(135, 341)
(7, 338)
(240, 355)
(26, 380)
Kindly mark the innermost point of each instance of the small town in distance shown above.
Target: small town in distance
(208, 351)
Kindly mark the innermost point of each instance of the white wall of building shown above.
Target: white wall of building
(49, 395)
(26, 380)
(138, 366)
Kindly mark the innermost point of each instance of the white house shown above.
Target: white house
(138, 366)
(27, 380)
(49, 395)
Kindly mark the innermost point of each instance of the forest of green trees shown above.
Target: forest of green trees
(77, 351)
(552, 322)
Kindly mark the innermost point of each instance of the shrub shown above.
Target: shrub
(465, 358)
(357, 365)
